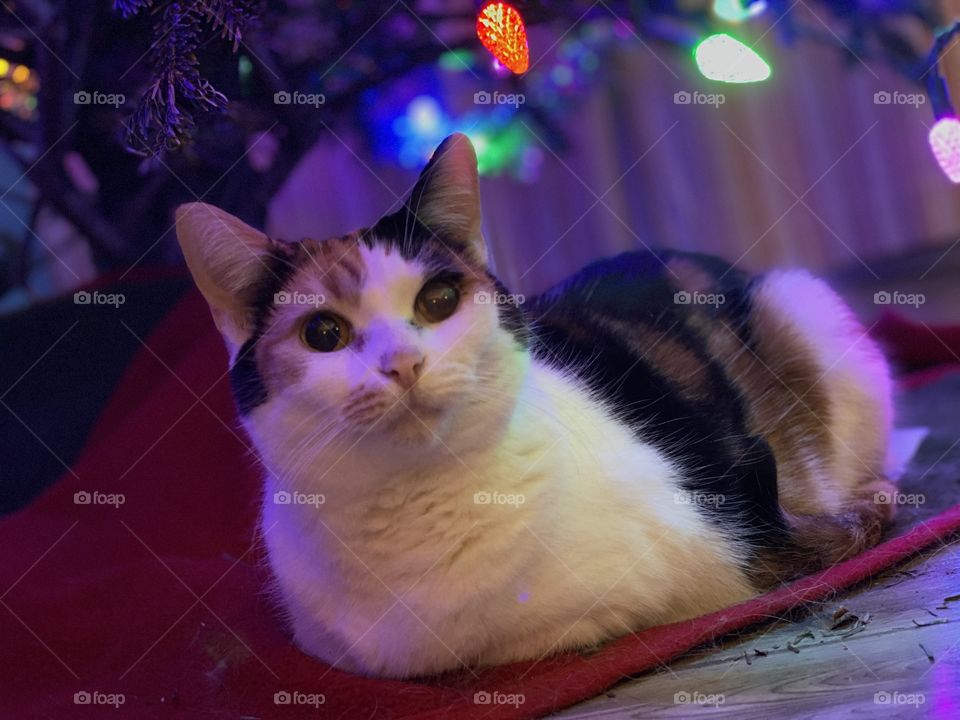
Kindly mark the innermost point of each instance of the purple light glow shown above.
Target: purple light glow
(500, 69)
(946, 680)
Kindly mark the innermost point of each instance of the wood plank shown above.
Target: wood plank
(830, 675)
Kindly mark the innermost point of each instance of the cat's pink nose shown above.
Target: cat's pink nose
(402, 366)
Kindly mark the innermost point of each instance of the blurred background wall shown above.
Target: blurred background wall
(807, 170)
(824, 165)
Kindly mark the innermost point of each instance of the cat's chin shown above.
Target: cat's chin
(413, 423)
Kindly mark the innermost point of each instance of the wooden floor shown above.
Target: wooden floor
(894, 653)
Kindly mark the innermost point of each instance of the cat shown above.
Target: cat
(453, 477)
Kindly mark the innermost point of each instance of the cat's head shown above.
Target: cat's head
(384, 335)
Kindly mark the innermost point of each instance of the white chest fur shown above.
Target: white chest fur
(563, 532)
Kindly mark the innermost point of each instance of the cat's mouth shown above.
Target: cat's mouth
(420, 407)
(410, 413)
(414, 411)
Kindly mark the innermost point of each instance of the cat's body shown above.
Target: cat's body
(506, 482)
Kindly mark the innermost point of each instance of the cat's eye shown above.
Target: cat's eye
(437, 300)
(325, 332)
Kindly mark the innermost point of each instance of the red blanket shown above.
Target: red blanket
(155, 603)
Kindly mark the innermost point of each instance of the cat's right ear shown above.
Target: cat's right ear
(226, 258)
(446, 198)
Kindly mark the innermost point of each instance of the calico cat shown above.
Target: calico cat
(455, 478)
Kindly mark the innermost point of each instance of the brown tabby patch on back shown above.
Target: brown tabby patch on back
(676, 362)
(690, 275)
(778, 378)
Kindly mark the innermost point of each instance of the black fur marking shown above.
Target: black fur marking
(511, 316)
(406, 233)
(400, 231)
(249, 389)
(403, 232)
(734, 472)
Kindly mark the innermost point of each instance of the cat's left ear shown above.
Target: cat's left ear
(446, 198)
(227, 258)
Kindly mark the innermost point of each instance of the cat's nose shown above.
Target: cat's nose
(402, 366)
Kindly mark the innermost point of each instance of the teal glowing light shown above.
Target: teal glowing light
(562, 75)
(498, 148)
(458, 60)
(244, 68)
(736, 11)
(589, 61)
(726, 59)
(502, 144)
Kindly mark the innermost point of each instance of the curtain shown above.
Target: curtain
(810, 168)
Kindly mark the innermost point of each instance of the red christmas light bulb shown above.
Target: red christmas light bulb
(501, 29)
